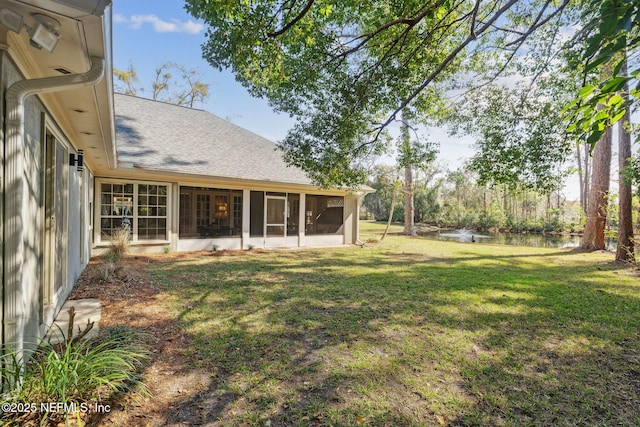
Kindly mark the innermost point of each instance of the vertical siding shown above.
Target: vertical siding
(33, 213)
(3, 87)
(32, 217)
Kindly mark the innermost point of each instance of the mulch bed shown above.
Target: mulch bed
(130, 299)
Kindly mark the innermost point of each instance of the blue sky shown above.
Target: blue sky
(149, 33)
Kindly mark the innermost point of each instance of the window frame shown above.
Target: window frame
(99, 238)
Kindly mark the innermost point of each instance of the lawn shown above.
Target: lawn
(410, 332)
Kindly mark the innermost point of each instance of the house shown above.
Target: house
(188, 180)
(57, 100)
(78, 161)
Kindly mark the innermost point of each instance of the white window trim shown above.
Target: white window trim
(98, 210)
(51, 295)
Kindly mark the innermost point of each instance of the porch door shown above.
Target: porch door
(275, 220)
(55, 205)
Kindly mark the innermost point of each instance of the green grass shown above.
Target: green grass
(374, 229)
(412, 332)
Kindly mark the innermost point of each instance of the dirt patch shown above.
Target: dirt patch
(130, 299)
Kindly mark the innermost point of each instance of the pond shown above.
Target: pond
(517, 239)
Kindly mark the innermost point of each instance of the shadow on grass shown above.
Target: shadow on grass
(402, 338)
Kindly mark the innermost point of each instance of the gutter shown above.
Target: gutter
(14, 192)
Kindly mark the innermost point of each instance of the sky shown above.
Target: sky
(149, 33)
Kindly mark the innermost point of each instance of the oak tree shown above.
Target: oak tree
(347, 69)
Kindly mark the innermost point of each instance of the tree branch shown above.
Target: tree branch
(442, 66)
(538, 22)
(365, 38)
(293, 22)
(520, 41)
(474, 15)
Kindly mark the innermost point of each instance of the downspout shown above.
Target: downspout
(14, 305)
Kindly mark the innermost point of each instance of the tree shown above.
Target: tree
(127, 80)
(186, 90)
(347, 69)
(382, 179)
(521, 139)
(412, 155)
(395, 190)
(593, 237)
(426, 194)
(624, 250)
(611, 30)
(584, 172)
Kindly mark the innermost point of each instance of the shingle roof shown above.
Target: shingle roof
(166, 137)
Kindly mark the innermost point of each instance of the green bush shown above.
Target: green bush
(74, 372)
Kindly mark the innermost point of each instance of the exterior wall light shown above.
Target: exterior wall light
(77, 161)
(43, 34)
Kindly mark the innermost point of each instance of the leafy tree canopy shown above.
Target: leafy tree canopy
(346, 69)
(609, 37)
(521, 141)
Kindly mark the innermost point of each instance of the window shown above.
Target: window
(210, 212)
(116, 204)
(143, 206)
(324, 214)
(152, 212)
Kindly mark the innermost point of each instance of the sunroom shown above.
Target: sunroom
(189, 180)
(185, 217)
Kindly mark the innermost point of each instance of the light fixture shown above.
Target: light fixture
(12, 20)
(77, 161)
(43, 34)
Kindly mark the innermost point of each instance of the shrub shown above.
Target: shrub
(74, 372)
(120, 241)
(108, 270)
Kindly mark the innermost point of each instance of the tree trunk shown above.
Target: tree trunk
(484, 200)
(581, 178)
(548, 211)
(593, 238)
(391, 209)
(587, 177)
(409, 226)
(624, 250)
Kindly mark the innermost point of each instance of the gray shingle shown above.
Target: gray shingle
(166, 137)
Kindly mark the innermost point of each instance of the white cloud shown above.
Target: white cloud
(119, 18)
(159, 26)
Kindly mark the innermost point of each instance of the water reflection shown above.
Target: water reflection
(516, 239)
